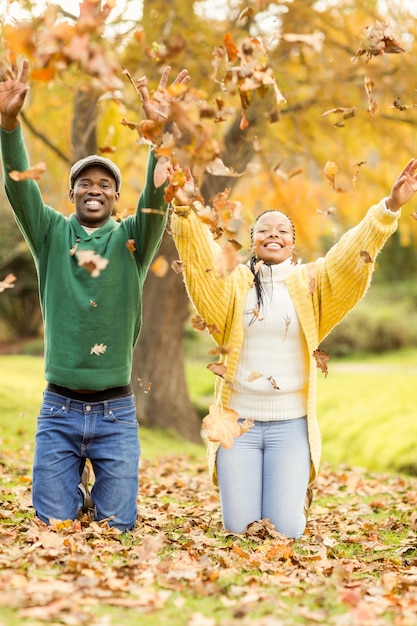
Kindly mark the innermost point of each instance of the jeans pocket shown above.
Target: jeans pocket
(124, 415)
(51, 409)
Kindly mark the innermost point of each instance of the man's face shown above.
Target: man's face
(94, 196)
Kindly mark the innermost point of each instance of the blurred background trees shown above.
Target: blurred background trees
(348, 75)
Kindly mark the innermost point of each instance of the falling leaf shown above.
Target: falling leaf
(98, 348)
(218, 168)
(148, 388)
(217, 368)
(92, 262)
(221, 350)
(364, 257)
(7, 283)
(244, 122)
(221, 425)
(321, 360)
(178, 266)
(198, 323)
(379, 39)
(93, 304)
(244, 15)
(160, 174)
(314, 40)
(130, 244)
(231, 49)
(160, 266)
(330, 170)
(34, 173)
(372, 105)
(253, 376)
(273, 382)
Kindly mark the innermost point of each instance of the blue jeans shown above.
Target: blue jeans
(68, 432)
(265, 475)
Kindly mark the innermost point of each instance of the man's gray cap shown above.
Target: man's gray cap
(94, 159)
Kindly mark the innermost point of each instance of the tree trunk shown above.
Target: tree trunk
(84, 125)
(159, 355)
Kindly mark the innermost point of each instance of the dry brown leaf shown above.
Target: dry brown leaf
(178, 266)
(379, 39)
(198, 323)
(321, 360)
(221, 425)
(217, 368)
(35, 173)
(92, 262)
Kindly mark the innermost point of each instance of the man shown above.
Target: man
(91, 271)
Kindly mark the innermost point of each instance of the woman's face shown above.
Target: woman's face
(273, 239)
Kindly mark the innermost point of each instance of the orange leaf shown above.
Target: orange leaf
(160, 266)
(231, 48)
(35, 173)
(221, 425)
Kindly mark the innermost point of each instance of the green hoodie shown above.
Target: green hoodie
(91, 323)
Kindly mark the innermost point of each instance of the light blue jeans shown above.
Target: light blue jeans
(68, 432)
(265, 475)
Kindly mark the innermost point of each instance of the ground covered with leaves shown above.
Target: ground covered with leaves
(356, 564)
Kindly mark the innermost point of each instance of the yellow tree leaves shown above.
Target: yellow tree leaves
(53, 45)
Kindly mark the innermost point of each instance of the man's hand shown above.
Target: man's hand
(157, 107)
(13, 90)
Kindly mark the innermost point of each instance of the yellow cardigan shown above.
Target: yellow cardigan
(341, 279)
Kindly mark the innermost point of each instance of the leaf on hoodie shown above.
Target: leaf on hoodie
(98, 348)
(364, 257)
(35, 173)
(7, 283)
(92, 262)
(321, 360)
(130, 244)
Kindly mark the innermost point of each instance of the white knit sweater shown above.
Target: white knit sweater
(271, 380)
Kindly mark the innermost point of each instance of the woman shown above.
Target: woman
(274, 312)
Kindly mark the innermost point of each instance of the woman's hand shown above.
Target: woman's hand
(404, 187)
